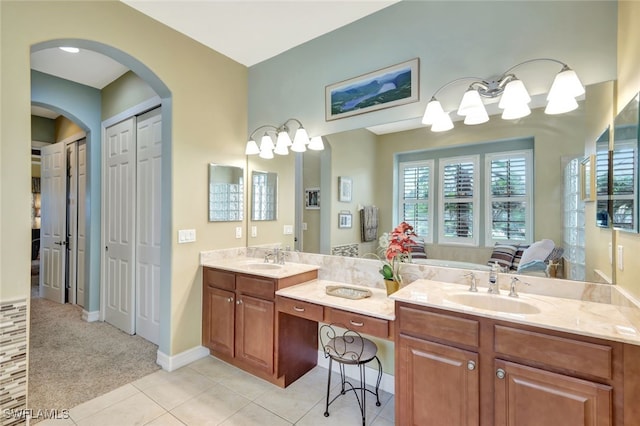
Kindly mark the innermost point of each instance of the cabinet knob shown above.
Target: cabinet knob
(239, 302)
(500, 373)
(471, 365)
(229, 299)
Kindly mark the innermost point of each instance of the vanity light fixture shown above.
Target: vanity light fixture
(514, 101)
(283, 142)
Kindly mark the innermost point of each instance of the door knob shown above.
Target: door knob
(471, 365)
(500, 373)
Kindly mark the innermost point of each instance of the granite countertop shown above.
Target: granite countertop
(600, 320)
(255, 266)
(378, 305)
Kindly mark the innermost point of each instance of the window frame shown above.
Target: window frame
(474, 200)
(429, 237)
(489, 198)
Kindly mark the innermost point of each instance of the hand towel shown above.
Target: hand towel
(369, 223)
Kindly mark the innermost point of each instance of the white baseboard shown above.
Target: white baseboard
(371, 374)
(170, 363)
(90, 316)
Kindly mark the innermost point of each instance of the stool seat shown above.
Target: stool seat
(349, 348)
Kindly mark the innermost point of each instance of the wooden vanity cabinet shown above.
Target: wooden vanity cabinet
(238, 319)
(454, 368)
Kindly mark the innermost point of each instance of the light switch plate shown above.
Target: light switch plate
(186, 236)
(620, 258)
(254, 231)
(288, 229)
(238, 231)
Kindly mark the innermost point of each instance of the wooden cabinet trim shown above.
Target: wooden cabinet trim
(256, 286)
(559, 352)
(430, 325)
(299, 308)
(219, 279)
(358, 322)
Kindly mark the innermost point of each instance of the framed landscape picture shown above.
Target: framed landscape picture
(388, 87)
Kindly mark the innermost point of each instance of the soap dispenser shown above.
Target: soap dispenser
(493, 279)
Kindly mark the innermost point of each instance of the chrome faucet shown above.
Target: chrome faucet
(494, 288)
(513, 286)
(268, 255)
(474, 281)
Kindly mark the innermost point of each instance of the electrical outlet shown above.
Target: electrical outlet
(304, 226)
(238, 231)
(288, 229)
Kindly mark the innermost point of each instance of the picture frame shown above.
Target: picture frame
(312, 198)
(345, 188)
(587, 179)
(344, 220)
(384, 88)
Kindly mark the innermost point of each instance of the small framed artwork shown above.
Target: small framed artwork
(587, 179)
(384, 88)
(312, 198)
(344, 220)
(345, 185)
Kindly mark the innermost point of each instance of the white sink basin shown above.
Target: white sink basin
(493, 302)
(263, 266)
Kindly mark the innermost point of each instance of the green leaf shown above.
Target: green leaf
(387, 272)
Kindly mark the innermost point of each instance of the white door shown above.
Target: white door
(119, 212)
(72, 219)
(149, 167)
(82, 220)
(53, 213)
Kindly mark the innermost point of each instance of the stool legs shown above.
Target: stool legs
(362, 397)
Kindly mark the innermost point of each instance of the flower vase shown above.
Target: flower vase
(392, 286)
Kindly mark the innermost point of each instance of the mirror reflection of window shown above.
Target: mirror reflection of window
(264, 195)
(226, 193)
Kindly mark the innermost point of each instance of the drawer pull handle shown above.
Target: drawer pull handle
(295, 308)
(471, 365)
(500, 373)
(357, 324)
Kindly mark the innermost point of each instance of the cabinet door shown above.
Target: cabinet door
(437, 384)
(218, 320)
(526, 396)
(254, 331)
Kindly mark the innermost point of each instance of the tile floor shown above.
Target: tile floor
(211, 392)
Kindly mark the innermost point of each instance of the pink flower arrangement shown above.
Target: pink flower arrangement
(398, 251)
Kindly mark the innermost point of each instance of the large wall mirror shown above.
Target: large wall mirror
(603, 180)
(264, 195)
(226, 193)
(366, 156)
(624, 189)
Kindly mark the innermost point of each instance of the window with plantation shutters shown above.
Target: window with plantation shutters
(416, 202)
(625, 175)
(508, 200)
(458, 213)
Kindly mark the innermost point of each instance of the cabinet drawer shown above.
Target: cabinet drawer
(300, 309)
(444, 327)
(583, 357)
(219, 279)
(260, 287)
(357, 322)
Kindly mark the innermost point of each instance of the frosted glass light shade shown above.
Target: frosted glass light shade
(266, 143)
(560, 105)
(470, 103)
(267, 154)
(281, 147)
(283, 139)
(316, 143)
(301, 136)
(443, 123)
(515, 112)
(566, 84)
(252, 148)
(476, 116)
(432, 112)
(515, 95)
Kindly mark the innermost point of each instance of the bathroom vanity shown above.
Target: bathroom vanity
(461, 357)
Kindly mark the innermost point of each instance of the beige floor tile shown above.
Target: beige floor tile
(254, 415)
(95, 405)
(344, 411)
(135, 410)
(211, 407)
(56, 422)
(389, 410)
(174, 388)
(213, 368)
(247, 385)
(165, 420)
(380, 421)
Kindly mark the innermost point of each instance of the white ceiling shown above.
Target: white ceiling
(247, 31)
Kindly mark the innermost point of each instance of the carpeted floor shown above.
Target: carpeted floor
(72, 361)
